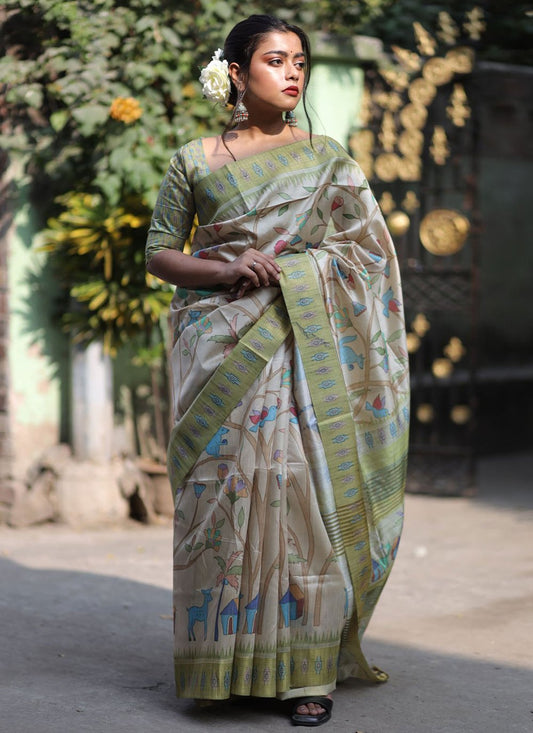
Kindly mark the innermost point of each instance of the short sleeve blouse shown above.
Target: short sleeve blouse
(174, 211)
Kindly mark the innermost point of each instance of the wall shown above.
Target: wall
(505, 108)
(36, 350)
(336, 83)
(5, 425)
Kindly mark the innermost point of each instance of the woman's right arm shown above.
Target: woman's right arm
(187, 271)
(170, 227)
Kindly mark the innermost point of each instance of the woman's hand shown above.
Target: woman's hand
(252, 269)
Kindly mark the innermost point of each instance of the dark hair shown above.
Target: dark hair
(244, 38)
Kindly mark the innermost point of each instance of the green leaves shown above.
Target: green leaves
(98, 252)
(73, 59)
(90, 118)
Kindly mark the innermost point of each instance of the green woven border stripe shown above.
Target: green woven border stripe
(230, 381)
(348, 527)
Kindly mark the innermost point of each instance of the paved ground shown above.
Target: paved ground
(86, 633)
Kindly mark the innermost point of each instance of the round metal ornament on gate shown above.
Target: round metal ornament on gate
(444, 231)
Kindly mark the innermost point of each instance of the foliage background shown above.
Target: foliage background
(92, 178)
(63, 63)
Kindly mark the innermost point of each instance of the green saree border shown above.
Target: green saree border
(257, 672)
(347, 527)
(230, 381)
(238, 181)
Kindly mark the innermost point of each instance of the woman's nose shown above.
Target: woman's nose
(292, 72)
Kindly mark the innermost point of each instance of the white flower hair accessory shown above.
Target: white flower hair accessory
(215, 79)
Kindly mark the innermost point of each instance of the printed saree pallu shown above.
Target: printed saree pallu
(288, 454)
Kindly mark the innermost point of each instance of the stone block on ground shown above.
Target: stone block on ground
(34, 504)
(7, 492)
(136, 486)
(56, 458)
(145, 484)
(163, 500)
(88, 494)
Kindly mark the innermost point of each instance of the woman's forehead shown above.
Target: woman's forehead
(287, 41)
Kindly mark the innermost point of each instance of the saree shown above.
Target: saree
(288, 454)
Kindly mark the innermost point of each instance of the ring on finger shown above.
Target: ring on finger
(253, 265)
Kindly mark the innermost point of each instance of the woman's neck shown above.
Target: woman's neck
(261, 137)
(255, 129)
(241, 143)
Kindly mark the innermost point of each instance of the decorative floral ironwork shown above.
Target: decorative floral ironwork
(425, 413)
(461, 414)
(458, 110)
(475, 24)
(425, 42)
(388, 136)
(454, 349)
(420, 324)
(461, 59)
(387, 166)
(438, 71)
(442, 368)
(422, 91)
(410, 61)
(413, 115)
(413, 342)
(397, 78)
(362, 142)
(449, 31)
(411, 202)
(411, 142)
(398, 223)
(439, 148)
(387, 203)
(410, 168)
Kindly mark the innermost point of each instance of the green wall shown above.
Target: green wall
(36, 348)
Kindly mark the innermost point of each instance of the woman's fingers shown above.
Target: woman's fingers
(262, 272)
(254, 269)
(267, 269)
(241, 287)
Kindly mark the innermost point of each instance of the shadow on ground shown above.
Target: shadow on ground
(85, 652)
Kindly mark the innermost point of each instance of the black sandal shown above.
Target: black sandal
(308, 718)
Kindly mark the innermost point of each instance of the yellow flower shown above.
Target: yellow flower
(189, 91)
(125, 109)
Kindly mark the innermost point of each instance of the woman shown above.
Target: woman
(290, 387)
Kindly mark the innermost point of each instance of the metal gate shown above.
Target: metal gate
(417, 144)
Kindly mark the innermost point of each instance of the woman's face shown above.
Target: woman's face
(276, 74)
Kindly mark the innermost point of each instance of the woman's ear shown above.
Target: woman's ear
(236, 76)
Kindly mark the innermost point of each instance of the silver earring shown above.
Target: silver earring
(240, 114)
(290, 118)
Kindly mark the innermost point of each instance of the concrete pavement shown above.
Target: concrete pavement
(86, 627)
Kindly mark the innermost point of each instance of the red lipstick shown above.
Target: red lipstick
(292, 91)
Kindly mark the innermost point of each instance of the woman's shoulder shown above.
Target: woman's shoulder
(336, 155)
(189, 160)
(332, 145)
(210, 142)
(189, 149)
(330, 150)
